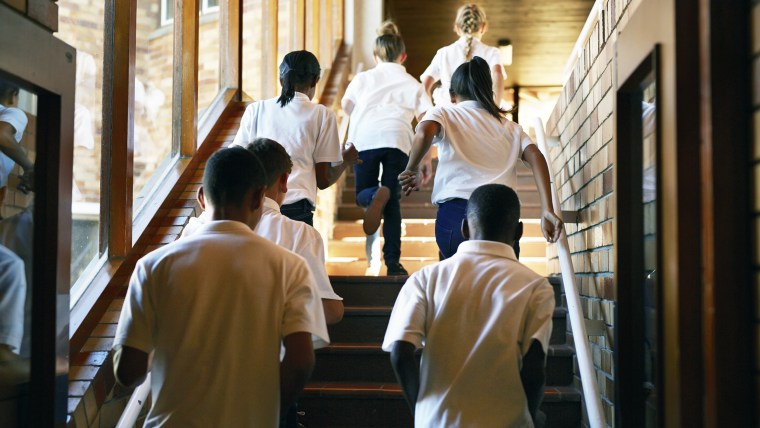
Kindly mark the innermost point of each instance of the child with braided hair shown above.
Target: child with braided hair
(470, 25)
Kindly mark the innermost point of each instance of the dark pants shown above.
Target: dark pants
(290, 418)
(299, 211)
(448, 226)
(394, 162)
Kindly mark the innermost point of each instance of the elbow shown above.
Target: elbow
(323, 183)
(333, 311)
(127, 377)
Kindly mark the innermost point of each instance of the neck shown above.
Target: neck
(274, 194)
(230, 213)
(479, 236)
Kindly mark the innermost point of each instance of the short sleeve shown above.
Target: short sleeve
(327, 148)
(525, 141)
(409, 316)
(303, 308)
(14, 117)
(538, 317)
(313, 251)
(423, 103)
(434, 69)
(492, 56)
(436, 115)
(245, 132)
(137, 319)
(353, 89)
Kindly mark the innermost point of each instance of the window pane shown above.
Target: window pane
(83, 29)
(211, 3)
(168, 6)
(153, 100)
(208, 61)
(252, 37)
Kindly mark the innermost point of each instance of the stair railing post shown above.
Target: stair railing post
(577, 322)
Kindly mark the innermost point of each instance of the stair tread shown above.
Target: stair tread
(368, 348)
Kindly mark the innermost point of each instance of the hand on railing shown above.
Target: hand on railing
(551, 226)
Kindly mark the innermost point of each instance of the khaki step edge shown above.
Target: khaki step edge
(527, 194)
(355, 266)
(417, 228)
(420, 247)
(427, 210)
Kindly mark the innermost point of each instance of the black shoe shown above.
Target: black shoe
(397, 269)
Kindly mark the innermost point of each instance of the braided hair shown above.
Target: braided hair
(470, 20)
(472, 80)
(389, 45)
(297, 71)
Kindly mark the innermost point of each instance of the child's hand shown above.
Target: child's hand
(551, 225)
(410, 181)
(426, 171)
(351, 155)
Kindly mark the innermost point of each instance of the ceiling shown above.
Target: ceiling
(543, 33)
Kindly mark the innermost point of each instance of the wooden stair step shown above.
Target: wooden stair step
(355, 266)
(350, 405)
(417, 228)
(421, 247)
(422, 210)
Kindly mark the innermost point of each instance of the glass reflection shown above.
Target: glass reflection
(18, 113)
(649, 208)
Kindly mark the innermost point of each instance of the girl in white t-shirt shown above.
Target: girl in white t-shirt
(308, 131)
(476, 145)
(12, 124)
(470, 25)
(382, 103)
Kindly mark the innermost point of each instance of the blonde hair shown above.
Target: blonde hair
(470, 20)
(389, 45)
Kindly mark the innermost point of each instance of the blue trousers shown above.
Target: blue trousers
(299, 211)
(394, 162)
(448, 226)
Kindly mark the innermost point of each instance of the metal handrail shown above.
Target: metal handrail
(577, 322)
(135, 404)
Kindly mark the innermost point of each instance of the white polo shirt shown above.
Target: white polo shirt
(475, 315)
(448, 58)
(214, 307)
(12, 299)
(18, 120)
(292, 235)
(307, 131)
(474, 148)
(386, 99)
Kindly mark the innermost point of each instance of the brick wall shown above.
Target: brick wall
(755, 44)
(43, 12)
(583, 166)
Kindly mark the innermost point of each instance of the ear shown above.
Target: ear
(465, 229)
(284, 183)
(201, 198)
(314, 82)
(401, 58)
(519, 231)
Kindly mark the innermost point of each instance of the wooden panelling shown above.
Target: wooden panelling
(542, 32)
(185, 92)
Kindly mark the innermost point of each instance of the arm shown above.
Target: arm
(130, 366)
(407, 371)
(13, 150)
(333, 311)
(497, 75)
(428, 82)
(347, 106)
(551, 224)
(411, 178)
(533, 377)
(327, 174)
(295, 368)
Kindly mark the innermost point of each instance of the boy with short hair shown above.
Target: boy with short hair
(214, 309)
(13, 122)
(484, 320)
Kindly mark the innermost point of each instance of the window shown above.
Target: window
(209, 49)
(82, 28)
(252, 48)
(167, 9)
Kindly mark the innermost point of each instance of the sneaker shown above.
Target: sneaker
(397, 269)
(374, 213)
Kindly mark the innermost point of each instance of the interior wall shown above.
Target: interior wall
(361, 29)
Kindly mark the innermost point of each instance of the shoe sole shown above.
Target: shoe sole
(374, 213)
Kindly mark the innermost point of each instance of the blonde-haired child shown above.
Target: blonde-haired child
(382, 103)
(470, 25)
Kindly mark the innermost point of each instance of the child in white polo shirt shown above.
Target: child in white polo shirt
(382, 103)
(483, 321)
(470, 25)
(13, 122)
(476, 145)
(308, 132)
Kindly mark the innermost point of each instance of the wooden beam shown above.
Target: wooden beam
(231, 29)
(118, 127)
(269, 74)
(185, 88)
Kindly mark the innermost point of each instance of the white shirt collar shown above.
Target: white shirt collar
(224, 226)
(391, 66)
(271, 204)
(492, 248)
(300, 96)
(468, 104)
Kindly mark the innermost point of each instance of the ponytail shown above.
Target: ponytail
(389, 45)
(297, 72)
(472, 80)
(470, 20)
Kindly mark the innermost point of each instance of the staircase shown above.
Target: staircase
(353, 384)
(346, 250)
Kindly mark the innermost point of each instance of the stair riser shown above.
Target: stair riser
(352, 212)
(353, 229)
(358, 267)
(368, 294)
(524, 179)
(348, 196)
(349, 412)
(419, 248)
(371, 329)
(344, 367)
